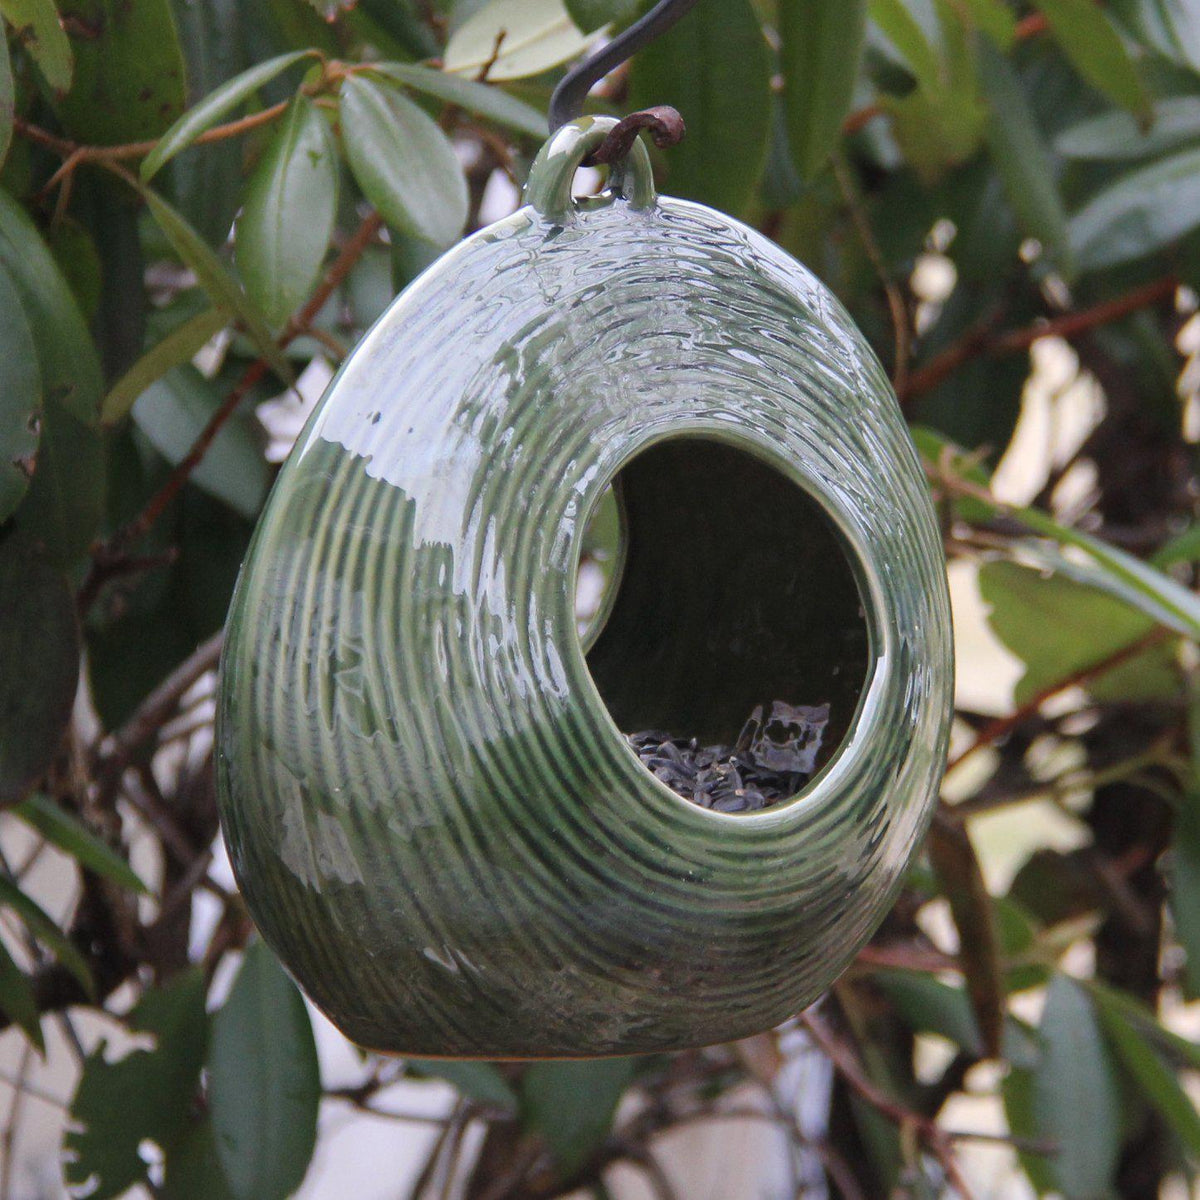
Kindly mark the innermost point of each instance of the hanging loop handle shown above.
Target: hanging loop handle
(553, 171)
(566, 104)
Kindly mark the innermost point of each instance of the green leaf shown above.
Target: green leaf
(193, 1171)
(17, 1000)
(20, 397)
(532, 37)
(214, 107)
(1077, 1100)
(571, 1104)
(74, 838)
(173, 411)
(403, 162)
(714, 67)
(927, 1005)
(1138, 583)
(1156, 1080)
(288, 213)
(994, 18)
(1021, 157)
(1185, 887)
(222, 288)
(39, 667)
(1057, 627)
(1017, 1091)
(129, 70)
(481, 99)
(477, 1080)
(7, 100)
(1140, 213)
(1169, 27)
(71, 374)
(901, 28)
(822, 42)
(43, 927)
(264, 1083)
(1095, 49)
(37, 25)
(65, 502)
(1117, 135)
(590, 15)
(178, 347)
(1178, 1050)
(146, 1096)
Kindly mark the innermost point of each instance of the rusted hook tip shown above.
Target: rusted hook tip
(664, 123)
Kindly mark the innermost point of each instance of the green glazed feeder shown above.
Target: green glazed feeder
(425, 787)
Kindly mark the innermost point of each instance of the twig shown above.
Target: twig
(980, 340)
(114, 548)
(994, 730)
(847, 1065)
(891, 291)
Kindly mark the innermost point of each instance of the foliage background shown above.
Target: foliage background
(204, 202)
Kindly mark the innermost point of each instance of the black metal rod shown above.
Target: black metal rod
(567, 102)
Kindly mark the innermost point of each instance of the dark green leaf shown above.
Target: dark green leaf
(403, 162)
(535, 35)
(147, 1095)
(1185, 887)
(1096, 50)
(571, 1104)
(822, 43)
(173, 411)
(1140, 213)
(7, 101)
(129, 71)
(1156, 1080)
(714, 67)
(1117, 135)
(477, 1080)
(264, 1084)
(193, 1171)
(928, 1005)
(1021, 157)
(1017, 1090)
(72, 837)
(42, 926)
(223, 290)
(288, 215)
(177, 348)
(1178, 1050)
(479, 98)
(1077, 1100)
(41, 32)
(70, 370)
(215, 106)
(61, 513)
(20, 397)
(590, 15)
(17, 1001)
(39, 668)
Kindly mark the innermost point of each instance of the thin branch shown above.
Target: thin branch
(847, 1065)
(981, 340)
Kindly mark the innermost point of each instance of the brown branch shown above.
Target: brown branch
(115, 548)
(1001, 726)
(847, 1065)
(981, 340)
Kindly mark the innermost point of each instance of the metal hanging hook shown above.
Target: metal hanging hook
(664, 123)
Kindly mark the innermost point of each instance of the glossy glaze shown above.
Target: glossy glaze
(432, 814)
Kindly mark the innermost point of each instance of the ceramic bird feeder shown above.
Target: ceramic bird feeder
(431, 804)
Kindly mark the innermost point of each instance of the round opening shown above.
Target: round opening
(722, 623)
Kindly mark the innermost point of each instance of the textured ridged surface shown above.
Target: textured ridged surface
(432, 815)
